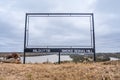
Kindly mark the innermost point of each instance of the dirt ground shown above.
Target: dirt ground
(66, 71)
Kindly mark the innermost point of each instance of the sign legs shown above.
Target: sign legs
(24, 58)
(59, 58)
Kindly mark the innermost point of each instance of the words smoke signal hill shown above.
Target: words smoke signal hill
(62, 50)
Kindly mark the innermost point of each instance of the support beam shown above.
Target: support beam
(25, 38)
(94, 51)
(59, 58)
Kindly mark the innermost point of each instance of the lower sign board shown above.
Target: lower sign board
(62, 50)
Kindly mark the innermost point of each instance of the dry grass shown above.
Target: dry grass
(67, 71)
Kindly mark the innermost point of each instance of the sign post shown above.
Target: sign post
(59, 58)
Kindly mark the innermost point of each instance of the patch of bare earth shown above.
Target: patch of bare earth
(68, 71)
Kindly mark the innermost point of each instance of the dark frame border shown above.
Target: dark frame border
(56, 49)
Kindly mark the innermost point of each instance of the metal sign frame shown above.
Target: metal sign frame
(59, 49)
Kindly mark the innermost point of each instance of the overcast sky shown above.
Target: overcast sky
(106, 12)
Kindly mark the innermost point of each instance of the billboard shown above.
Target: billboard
(59, 32)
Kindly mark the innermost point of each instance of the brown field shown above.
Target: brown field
(66, 71)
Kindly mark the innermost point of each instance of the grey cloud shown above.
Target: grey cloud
(107, 25)
(60, 32)
(7, 30)
(10, 38)
(34, 6)
(106, 21)
(108, 6)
